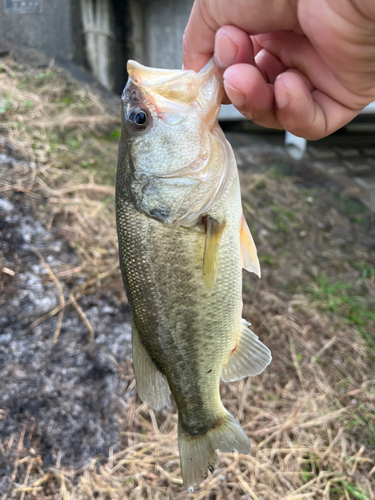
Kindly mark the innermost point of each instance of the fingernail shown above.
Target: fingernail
(225, 50)
(237, 97)
(282, 96)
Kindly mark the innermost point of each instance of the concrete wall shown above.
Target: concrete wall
(100, 34)
(91, 33)
(48, 31)
(99, 29)
(164, 24)
(107, 28)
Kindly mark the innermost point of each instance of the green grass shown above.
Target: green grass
(115, 134)
(85, 152)
(353, 491)
(341, 298)
(310, 467)
(261, 185)
(367, 270)
(363, 424)
(247, 286)
(38, 80)
(289, 214)
(277, 171)
(73, 142)
(348, 205)
(284, 219)
(267, 259)
(67, 100)
(5, 105)
(354, 209)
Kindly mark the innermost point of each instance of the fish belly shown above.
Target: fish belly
(188, 331)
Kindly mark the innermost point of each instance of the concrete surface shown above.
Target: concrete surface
(48, 31)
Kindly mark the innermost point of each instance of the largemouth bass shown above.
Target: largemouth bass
(183, 242)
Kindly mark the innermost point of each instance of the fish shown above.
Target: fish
(183, 242)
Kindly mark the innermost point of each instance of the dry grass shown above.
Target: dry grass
(62, 129)
(310, 416)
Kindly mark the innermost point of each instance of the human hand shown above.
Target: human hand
(306, 66)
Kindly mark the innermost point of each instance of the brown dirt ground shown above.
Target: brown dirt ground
(310, 415)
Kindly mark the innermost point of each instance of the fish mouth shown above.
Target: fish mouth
(174, 90)
(145, 75)
(176, 85)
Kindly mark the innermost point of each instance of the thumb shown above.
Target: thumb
(252, 16)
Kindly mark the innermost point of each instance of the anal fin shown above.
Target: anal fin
(249, 358)
(249, 255)
(214, 230)
(152, 385)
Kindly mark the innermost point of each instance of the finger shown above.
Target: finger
(307, 114)
(252, 16)
(296, 51)
(232, 46)
(270, 65)
(256, 45)
(199, 38)
(251, 94)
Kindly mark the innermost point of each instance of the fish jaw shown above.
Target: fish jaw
(179, 86)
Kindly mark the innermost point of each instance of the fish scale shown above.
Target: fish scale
(171, 317)
(183, 276)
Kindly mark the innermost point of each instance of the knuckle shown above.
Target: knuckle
(310, 133)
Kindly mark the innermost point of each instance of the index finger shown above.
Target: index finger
(197, 53)
(252, 16)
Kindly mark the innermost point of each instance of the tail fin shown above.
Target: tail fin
(198, 453)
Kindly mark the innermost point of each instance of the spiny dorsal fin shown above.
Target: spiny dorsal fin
(214, 230)
(249, 255)
(249, 358)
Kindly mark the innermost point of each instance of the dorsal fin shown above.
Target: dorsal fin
(249, 255)
(214, 230)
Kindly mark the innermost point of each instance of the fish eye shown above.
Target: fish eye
(138, 119)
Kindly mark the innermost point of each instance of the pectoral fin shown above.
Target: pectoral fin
(249, 358)
(152, 386)
(214, 230)
(249, 255)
